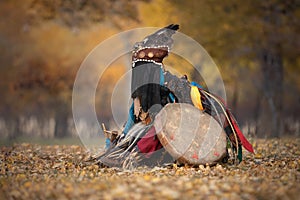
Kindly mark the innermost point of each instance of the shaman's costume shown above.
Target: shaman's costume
(152, 88)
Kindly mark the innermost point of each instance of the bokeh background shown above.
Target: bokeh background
(254, 43)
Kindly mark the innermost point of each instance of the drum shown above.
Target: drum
(191, 136)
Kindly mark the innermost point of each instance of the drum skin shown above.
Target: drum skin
(191, 136)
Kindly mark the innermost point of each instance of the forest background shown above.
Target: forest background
(255, 44)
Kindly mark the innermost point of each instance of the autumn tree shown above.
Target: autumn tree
(43, 47)
(250, 37)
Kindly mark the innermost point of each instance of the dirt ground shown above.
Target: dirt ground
(30, 171)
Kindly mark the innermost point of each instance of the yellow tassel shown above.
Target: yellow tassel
(196, 97)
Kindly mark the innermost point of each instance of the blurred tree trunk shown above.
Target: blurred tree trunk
(13, 124)
(61, 121)
(271, 62)
(257, 113)
(272, 69)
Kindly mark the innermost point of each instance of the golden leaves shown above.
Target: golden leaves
(52, 172)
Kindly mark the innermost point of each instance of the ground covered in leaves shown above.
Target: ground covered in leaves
(60, 172)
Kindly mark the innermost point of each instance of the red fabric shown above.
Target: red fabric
(149, 143)
(241, 136)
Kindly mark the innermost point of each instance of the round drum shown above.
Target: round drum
(190, 135)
